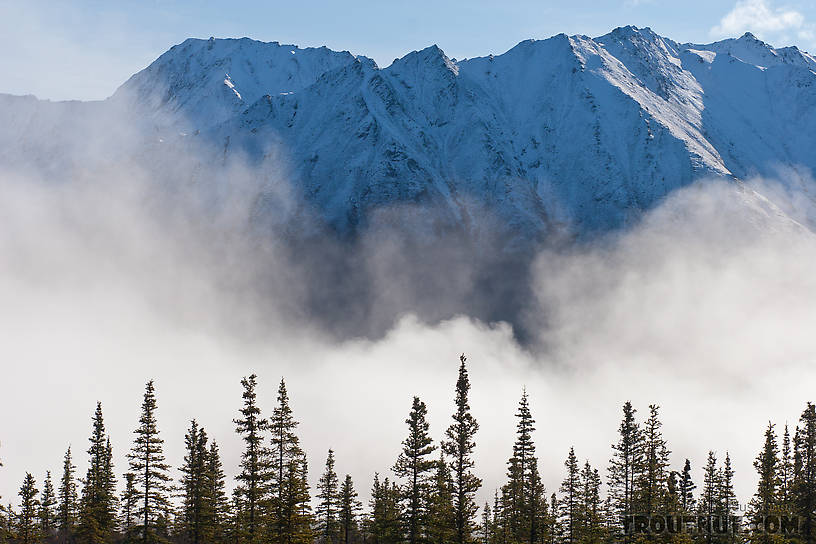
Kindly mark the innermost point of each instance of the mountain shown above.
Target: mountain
(566, 136)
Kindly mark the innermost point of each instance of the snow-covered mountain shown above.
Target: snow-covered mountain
(568, 134)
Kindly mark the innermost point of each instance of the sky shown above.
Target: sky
(85, 49)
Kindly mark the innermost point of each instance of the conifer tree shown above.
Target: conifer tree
(499, 524)
(459, 444)
(97, 507)
(28, 531)
(10, 519)
(150, 472)
(803, 488)
(254, 478)
(67, 500)
(349, 509)
(130, 502)
(237, 521)
(671, 500)
(651, 482)
(413, 466)
(441, 509)
(710, 500)
(384, 525)
(570, 507)
(766, 498)
(727, 499)
(686, 489)
(328, 488)
(539, 517)
(291, 517)
(626, 464)
(48, 500)
(521, 472)
(215, 516)
(785, 471)
(767, 466)
(486, 532)
(294, 522)
(196, 501)
(591, 508)
(555, 531)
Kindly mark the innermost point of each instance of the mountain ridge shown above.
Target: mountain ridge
(569, 134)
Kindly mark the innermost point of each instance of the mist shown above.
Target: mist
(109, 278)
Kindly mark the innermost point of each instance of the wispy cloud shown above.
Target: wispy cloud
(765, 20)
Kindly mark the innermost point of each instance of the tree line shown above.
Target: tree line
(428, 496)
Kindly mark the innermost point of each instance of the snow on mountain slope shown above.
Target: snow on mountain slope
(567, 134)
(206, 81)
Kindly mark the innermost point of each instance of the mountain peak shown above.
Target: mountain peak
(631, 30)
(429, 56)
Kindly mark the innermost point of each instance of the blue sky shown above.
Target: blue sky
(84, 49)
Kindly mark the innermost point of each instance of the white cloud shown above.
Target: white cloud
(761, 18)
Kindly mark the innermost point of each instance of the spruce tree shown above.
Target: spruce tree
(196, 502)
(150, 471)
(384, 525)
(591, 508)
(767, 466)
(97, 507)
(290, 489)
(328, 488)
(710, 500)
(651, 482)
(539, 517)
(459, 444)
(686, 489)
(291, 517)
(349, 509)
(626, 465)
(671, 500)
(294, 522)
(499, 525)
(570, 507)
(518, 509)
(10, 519)
(28, 530)
(254, 478)
(130, 503)
(486, 529)
(48, 500)
(766, 499)
(413, 466)
(237, 521)
(67, 500)
(441, 509)
(217, 512)
(803, 488)
(728, 499)
(785, 471)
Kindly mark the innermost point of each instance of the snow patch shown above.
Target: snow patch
(706, 56)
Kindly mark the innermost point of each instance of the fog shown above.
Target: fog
(705, 307)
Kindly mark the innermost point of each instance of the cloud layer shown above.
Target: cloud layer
(706, 307)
